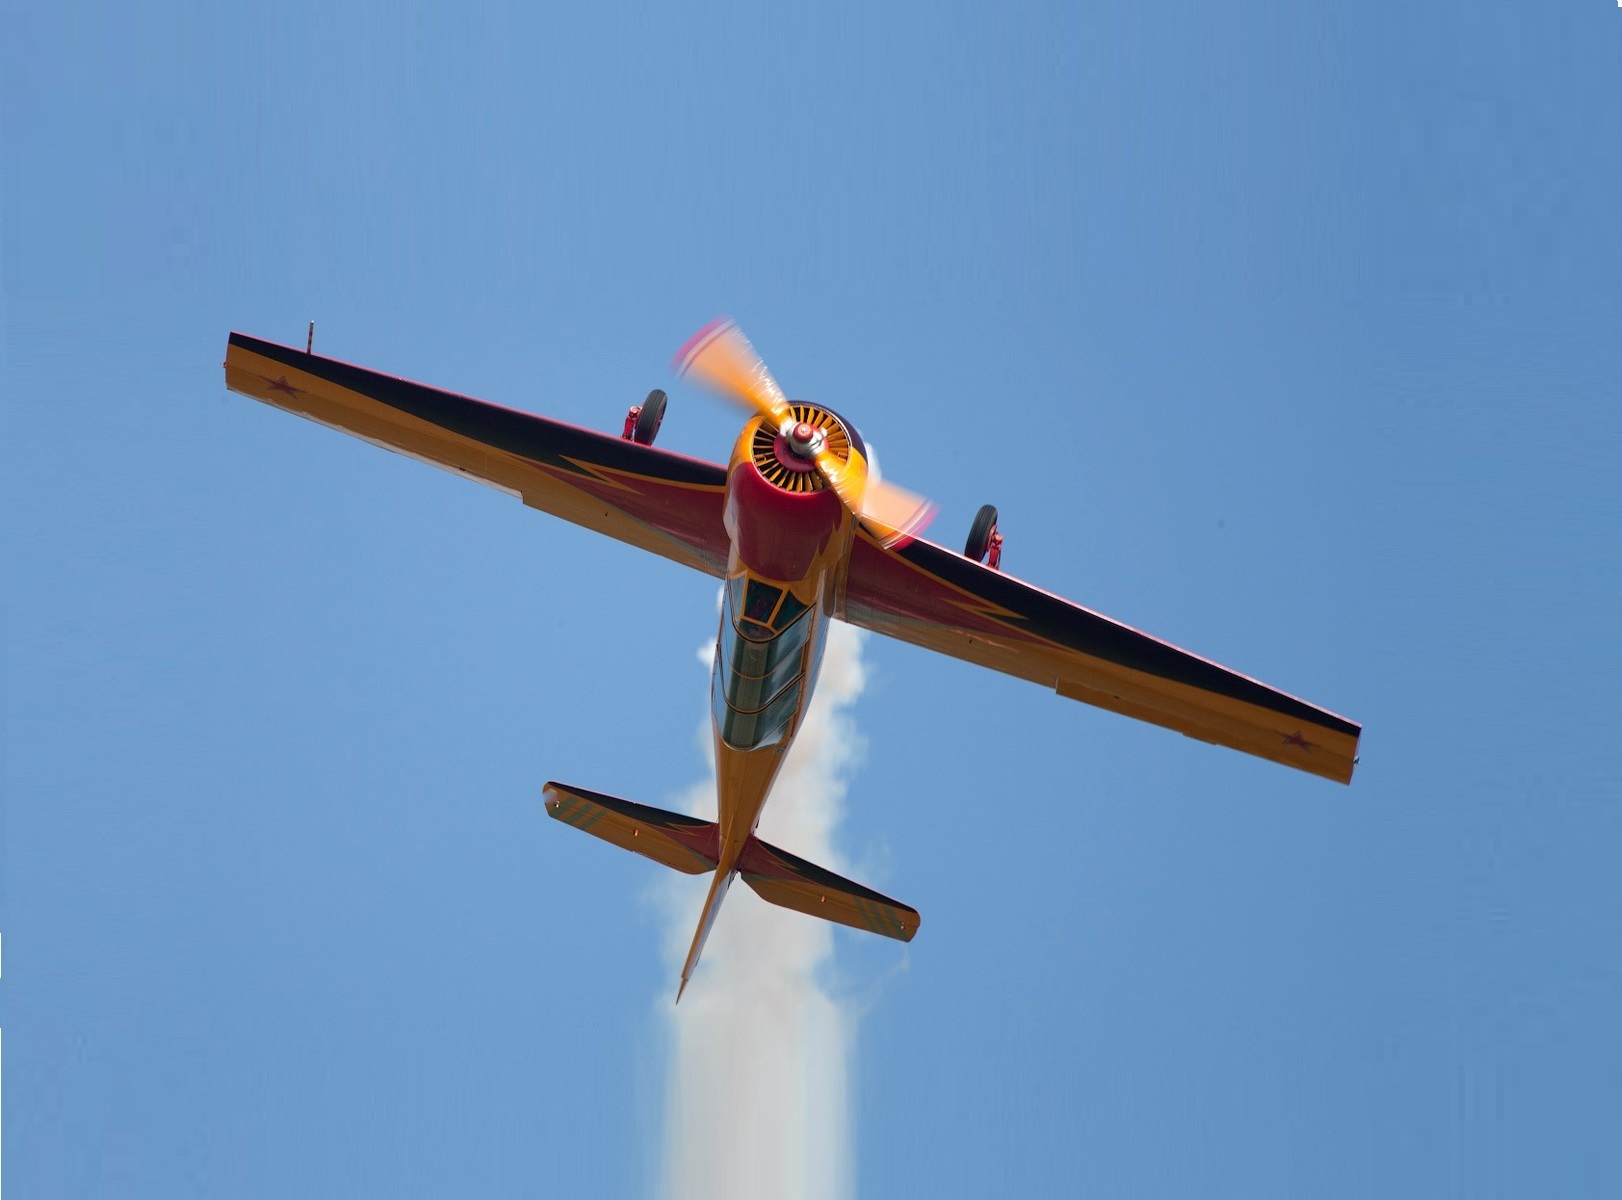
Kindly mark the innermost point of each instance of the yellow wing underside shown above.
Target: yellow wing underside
(659, 502)
(940, 601)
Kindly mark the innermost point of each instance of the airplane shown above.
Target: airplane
(802, 532)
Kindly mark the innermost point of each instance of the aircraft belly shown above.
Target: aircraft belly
(786, 551)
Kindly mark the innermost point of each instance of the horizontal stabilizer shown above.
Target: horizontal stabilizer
(781, 878)
(684, 843)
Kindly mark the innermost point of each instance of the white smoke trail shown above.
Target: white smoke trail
(758, 1098)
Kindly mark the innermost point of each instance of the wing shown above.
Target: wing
(663, 502)
(931, 597)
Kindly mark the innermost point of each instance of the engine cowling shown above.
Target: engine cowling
(781, 467)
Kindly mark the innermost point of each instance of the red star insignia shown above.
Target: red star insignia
(1295, 739)
(281, 385)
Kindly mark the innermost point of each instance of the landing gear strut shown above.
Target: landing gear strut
(643, 421)
(985, 543)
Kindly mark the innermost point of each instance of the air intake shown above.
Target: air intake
(782, 467)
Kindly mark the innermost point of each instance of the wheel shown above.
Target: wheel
(985, 524)
(649, 419)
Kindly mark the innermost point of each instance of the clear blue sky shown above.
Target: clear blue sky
(1292, 333)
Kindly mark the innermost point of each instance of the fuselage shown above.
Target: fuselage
(791, 541)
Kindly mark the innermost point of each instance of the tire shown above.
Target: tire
(650, 418)
(985, 524)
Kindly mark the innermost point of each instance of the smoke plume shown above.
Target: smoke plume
(758, 1100)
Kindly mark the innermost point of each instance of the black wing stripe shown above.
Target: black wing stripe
(1087, 632)
(552, 443)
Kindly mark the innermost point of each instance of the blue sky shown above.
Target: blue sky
(1286, 332)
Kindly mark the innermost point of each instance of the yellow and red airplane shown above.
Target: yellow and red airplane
(802, 532)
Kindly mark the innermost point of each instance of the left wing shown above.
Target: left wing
(927, 595)
(663, 502)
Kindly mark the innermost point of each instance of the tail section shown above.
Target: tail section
(683, 843)
(781, 878)
(693, 846)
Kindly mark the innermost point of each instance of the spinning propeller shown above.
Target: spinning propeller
(720, 357)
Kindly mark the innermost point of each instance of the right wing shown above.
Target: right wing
(663, 502)
(925, 594)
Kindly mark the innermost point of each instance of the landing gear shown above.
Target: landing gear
(642, 422)
(984, 539)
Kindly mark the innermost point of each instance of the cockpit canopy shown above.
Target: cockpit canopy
(760, 664)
